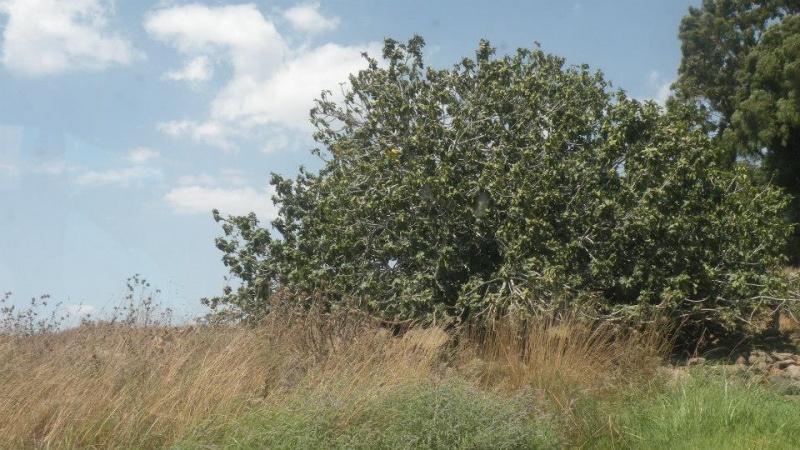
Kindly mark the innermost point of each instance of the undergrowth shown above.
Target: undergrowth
(705, 410)
(308, 379)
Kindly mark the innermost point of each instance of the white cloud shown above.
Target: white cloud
(10, 169)
(79, 310)
(124, 177)
(214, 133)
(271, 83)
(50, 167)
(235, 201)
(275, 143)
(659, 87)
(237, 32)
(229, 191)
(231, 177)
(47, 37)
(286, 97)
(306, 18)
(75, 313)
(142, 155)
(196, 70)
(201, 180)
(140, 171)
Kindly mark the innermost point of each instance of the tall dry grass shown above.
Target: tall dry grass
(109, 386)
(127, 386)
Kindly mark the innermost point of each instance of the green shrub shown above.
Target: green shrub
(510, 183)
(449, 416)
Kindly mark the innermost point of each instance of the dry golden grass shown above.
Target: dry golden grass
(109, 386)
(567, 356)
(118, 386)
(789, 323)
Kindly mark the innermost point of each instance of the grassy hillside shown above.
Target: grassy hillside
(307, 380)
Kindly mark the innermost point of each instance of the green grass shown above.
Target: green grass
(707, 410)
(447, 416)
(704, 411)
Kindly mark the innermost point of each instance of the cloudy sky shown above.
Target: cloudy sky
(123, 123)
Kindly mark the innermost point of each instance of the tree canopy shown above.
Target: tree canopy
(767, 117)
(512, 183)
(741, 61)
(716, 39)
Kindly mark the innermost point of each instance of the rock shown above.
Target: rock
(775, 371)
(784, 386)
(792, 372)
(786, 363)
(730, 368)
(758, 357)
(741, 361)
(696, 361)
(782, 356)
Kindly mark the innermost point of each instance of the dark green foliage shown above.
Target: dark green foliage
(767, 117)
(511, 184)
(244, 246)
(768, 111)
(741, 61)
(716, 39)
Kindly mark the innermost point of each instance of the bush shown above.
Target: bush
(510, 184)
(450, 416)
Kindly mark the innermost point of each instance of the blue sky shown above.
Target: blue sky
(123, 123)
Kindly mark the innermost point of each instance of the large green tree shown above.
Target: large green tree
(716, 39)
(767, 117)
(741, 61)
(509, 183)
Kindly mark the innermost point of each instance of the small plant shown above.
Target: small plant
(140, 305)
(31, 320)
